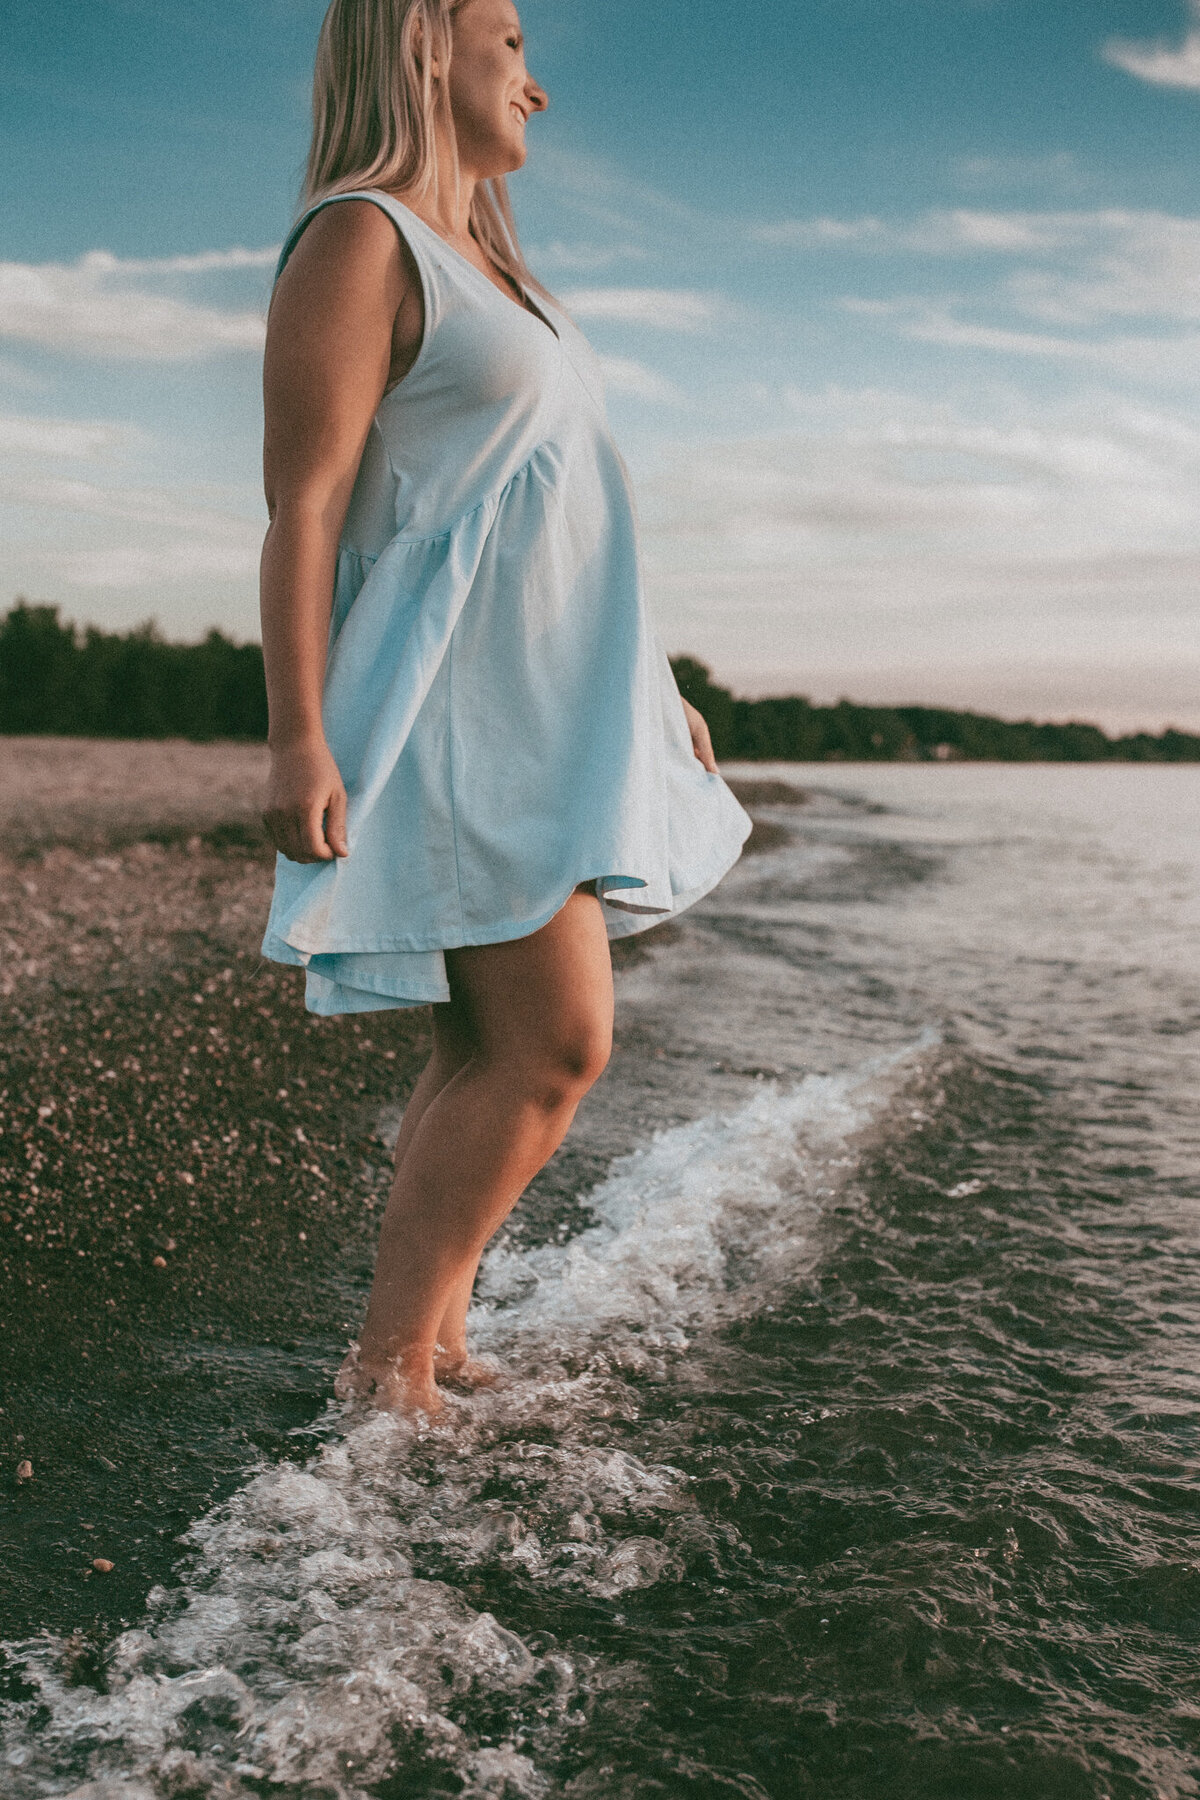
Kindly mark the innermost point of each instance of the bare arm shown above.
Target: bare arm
(345, 322)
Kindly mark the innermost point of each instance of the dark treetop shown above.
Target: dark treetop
(58, 680)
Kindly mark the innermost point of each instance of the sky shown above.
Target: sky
(899, 302)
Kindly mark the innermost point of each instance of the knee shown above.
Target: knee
(584, 1056)
(568, 1066)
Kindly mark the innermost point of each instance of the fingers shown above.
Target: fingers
(335, 823)
(303, 836)
(702, 745)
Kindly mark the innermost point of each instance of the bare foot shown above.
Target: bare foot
(402, 1383)
(458, 1370)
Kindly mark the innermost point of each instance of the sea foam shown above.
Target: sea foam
(321, 1642)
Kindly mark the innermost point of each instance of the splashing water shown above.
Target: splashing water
(304, 1651)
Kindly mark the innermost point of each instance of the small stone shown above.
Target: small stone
(102, 1565)
(25, 1470)
(160, 1262)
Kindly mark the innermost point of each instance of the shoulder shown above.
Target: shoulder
(351, 244)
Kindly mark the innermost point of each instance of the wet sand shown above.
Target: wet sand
(189, 1176)
(191, 1168)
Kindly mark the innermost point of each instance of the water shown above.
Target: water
(850, 1441)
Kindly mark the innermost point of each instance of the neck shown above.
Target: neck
(446, 205)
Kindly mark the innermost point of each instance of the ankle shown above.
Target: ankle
(378, 1352)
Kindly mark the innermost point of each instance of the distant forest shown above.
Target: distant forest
(56, 679)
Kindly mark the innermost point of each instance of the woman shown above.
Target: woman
(481, 769)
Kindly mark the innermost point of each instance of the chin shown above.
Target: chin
(510, 153)
(505, 158)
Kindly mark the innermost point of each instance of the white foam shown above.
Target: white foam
(303, 1650)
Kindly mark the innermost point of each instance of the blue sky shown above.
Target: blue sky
(900, 301)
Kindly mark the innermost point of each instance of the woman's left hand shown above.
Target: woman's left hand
(701, 742)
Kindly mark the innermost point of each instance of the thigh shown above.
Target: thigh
(549, 992)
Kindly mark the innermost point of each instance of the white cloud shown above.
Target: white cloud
(821, 233)
(1060, 171)
(1112, 289)
(1159, 63)
(1134, 264)
(624, 375)
(904, 548)
(95, 307)
(173, 509)
(127, 537)
(75, 439)
(967, 231)
(204, 262)
(1162, 360)
(956, 232)
(666, 309)
(125, 566)
(583, 258)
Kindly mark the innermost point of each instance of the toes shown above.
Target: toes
(468, 1374)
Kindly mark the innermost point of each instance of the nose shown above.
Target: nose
(537, 96)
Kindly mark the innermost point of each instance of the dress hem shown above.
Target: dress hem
(345, 997)
(468, 940)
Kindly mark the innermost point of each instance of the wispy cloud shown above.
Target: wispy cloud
(1165, 360)
(203, 262)
(584, 258)
(125, 566)
(1114, 290)
(967, 231)
(110, 536)
(167, 508)
(1058, 172)
(665, 309)
(1158, 62)
(625, 375)
(901, 549)
(99, 306)
(68, 439)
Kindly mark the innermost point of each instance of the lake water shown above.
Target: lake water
(849, 1446)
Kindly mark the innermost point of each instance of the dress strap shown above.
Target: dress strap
(402, 218)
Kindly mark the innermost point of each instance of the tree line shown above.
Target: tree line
(792, 729)
(59, 680)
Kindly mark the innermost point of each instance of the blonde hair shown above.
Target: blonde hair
(375, 108)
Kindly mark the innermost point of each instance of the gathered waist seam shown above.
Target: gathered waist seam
(492, 498)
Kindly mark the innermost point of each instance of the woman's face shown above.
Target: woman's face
(491, 91)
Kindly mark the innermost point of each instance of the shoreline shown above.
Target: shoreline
(192, 1172)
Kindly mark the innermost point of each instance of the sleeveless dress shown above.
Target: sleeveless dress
(503, 716)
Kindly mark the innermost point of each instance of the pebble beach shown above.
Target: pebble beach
(171, 1122)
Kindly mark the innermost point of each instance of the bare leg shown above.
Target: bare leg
(453, 1045)
(538, 1013)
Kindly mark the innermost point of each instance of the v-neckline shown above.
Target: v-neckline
(523, 305)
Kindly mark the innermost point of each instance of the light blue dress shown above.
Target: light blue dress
(502, 713)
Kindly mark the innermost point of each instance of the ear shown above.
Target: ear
(419, 51)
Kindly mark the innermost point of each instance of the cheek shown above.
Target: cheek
(478, 87)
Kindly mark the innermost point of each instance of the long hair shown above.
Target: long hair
(375, 111)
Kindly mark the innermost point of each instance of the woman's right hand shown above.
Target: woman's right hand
(305, 814)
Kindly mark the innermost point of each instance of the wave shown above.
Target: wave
(309, 1647)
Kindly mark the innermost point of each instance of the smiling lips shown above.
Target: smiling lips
(520, 112)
